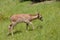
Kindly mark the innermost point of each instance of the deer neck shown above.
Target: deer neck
(34, 17)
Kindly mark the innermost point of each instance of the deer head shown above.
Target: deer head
(40, 17)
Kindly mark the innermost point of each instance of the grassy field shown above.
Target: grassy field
(48, 29)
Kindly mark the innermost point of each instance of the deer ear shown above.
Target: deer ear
(37, 13)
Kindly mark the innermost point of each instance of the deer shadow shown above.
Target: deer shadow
(39, 27)
(30, 29)
(16, 32)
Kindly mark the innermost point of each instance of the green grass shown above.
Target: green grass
(48, 29)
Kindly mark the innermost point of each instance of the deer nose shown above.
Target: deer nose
(41, 19)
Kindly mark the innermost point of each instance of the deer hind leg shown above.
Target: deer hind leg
(10, 28)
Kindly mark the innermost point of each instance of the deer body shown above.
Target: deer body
(23, 17)
(27, 18)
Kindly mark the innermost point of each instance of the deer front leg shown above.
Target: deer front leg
(27, 26)
(31, 24)
(28, 22)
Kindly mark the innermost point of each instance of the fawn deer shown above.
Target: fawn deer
(26, 18)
